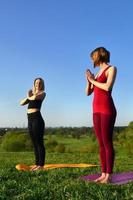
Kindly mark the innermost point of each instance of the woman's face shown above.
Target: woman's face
(95, 59)
(38, 84)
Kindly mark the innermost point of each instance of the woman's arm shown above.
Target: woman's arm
(89, 85)
(110, 80)
(38, 96)
(24, 102)
(89, 88)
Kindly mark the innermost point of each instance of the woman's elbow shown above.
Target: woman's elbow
(21, 104)
(108, 88)
(88, 93)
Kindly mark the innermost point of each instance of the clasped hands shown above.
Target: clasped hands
(89, 76)
(30, 93)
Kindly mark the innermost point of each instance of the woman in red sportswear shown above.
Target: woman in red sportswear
(104, 111)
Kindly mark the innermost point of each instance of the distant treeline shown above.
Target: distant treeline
(74, 131)
(56, 139)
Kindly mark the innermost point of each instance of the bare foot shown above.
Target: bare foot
(102, 177)
(107, 179)
(38, 168)
(33, 167)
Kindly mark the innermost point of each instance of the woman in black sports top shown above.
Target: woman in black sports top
(36, 124)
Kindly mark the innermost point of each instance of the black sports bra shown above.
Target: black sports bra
(34, 103)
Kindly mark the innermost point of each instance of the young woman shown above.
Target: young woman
(104, 111)
(36, 123)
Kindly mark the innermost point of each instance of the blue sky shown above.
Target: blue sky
(52, 39)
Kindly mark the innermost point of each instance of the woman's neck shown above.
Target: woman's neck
(36, 91)
(103, 66)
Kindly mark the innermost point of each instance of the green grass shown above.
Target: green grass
(60, 184)
(71, 142)
(72, 145)
(65, 183)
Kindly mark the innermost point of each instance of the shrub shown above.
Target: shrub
(60, 148)
(69, 150)
(128, 147)
(51, 143)
(13, 141)
(15, 145)
(91, 148)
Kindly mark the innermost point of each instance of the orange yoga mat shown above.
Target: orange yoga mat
(24, 167)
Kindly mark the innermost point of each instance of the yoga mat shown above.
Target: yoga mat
(24, 167)
(117, 179)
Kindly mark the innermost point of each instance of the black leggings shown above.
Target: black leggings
(36, 128)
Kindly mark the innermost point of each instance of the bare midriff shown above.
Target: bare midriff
(32, 110)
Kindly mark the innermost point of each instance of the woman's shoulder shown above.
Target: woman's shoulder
(112, 67)
(43, 94)
(112, 70)
(40, 95)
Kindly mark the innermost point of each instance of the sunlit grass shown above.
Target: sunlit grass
(59, 184)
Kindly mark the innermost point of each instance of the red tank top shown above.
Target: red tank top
(102, 101)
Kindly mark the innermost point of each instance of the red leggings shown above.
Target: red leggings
(103, 126)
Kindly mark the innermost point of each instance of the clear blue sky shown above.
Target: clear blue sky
(53, 39)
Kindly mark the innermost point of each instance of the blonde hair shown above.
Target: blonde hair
(100, 55)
